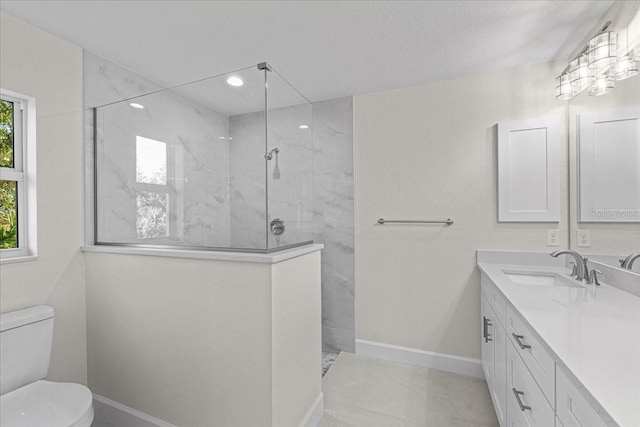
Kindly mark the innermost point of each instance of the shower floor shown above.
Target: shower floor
(327, 361)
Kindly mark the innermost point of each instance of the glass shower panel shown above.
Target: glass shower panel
(247, 185)
(174, 169)
(290, 165)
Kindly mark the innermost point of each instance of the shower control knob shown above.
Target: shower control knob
(277, 227)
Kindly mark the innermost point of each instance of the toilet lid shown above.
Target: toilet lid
(46, 403)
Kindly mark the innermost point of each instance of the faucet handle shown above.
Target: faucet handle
(574, 269)
(593, 278)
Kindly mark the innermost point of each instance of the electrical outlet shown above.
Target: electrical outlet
(553, 237)
(584, 238)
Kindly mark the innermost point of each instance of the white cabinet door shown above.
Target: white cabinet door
(488, 321)
(573, 408)
(494, 354)
(499, 390)
(529, 170)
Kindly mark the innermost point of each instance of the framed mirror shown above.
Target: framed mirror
(604, 146)
(608, 150)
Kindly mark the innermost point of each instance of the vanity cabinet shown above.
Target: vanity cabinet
(524, 380)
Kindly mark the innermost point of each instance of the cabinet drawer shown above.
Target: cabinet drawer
(527, 403)
(573, 409)
(494, 297)
(535, 357)
(515, 417)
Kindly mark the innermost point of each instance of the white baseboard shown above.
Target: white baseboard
(314, 414)
(113, 414)
(425, 359)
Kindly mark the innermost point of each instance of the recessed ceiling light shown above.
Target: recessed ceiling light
(138, 106)
(304, 126)
(221, 137)
(235, 81)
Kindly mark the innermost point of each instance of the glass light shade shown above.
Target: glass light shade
(603, 51)
(601, 86)
(623, 69)
(563, 87)
(580, 75)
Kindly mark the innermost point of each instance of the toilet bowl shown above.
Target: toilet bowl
(46, 403)
(27, 400)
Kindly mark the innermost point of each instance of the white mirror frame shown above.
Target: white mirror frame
(621, 191)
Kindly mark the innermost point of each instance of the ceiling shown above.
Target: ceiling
(326, 49)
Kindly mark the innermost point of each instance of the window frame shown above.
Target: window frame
(23, 174)
(159, 189)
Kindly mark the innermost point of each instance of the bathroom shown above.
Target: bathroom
(329, 228)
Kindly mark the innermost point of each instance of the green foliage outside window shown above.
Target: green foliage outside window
(8, 209)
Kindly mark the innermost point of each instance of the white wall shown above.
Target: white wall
(430, 152)
(38, 64)
(204, 342)
(178, 339)
(297, 338)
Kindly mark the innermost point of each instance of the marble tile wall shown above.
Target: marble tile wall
(197, 157)
(290, 192)
(333, 219)
(314, 195)
(247, 187)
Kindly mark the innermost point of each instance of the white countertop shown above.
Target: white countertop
(593, 331)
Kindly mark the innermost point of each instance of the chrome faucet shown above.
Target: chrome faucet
(582, 271)
(628, 261)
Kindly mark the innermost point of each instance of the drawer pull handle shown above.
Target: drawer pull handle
(485, 333)
(517, 394)
(520, 343)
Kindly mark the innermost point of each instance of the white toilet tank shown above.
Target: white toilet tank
(25, 346)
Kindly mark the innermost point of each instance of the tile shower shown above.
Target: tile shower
(222, 201)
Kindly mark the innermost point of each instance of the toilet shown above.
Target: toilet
(26, 398)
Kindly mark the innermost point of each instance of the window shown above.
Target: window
(152, 195)
(17, 176)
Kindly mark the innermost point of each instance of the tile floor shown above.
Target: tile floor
(361, 391)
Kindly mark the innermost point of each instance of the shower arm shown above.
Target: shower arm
(269, 155)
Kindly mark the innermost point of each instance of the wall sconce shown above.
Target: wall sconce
(597, 67)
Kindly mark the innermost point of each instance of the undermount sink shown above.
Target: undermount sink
(540, 279)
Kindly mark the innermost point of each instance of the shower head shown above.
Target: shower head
(276, 169)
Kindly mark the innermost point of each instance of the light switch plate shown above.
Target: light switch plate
(584, 238)
(553, 237)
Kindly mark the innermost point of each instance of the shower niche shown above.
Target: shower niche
(207, 165)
